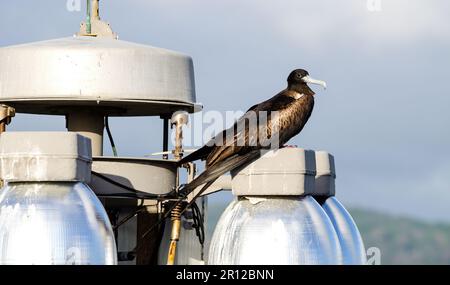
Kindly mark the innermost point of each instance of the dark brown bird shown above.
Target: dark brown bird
(268, 125)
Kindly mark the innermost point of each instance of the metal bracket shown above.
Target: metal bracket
(6, 113)
(178, 120)
(94, 26)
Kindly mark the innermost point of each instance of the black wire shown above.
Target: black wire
(139, 208)
(198, 225)
(165, 137)
(116, 183)
(164, 217)
(158, 224)
(111, 139)
(137, 193)
(203, 209)
(129, 217)
(198, 221)
(182, 196)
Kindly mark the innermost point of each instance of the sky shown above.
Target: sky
(385, 115)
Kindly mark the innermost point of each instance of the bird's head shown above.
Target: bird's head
(301, 77)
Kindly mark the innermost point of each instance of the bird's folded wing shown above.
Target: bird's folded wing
(217, 170)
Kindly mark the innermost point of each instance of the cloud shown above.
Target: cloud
(315, 25)
(319, 24)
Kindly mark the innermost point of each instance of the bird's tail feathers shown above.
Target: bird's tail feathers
(207, 178)
(215, 171)
(200, 153)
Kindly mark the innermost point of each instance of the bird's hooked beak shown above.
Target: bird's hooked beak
(308, 79)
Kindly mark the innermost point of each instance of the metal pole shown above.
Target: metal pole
(6, 113)
(165, 137)
(88, 17)
(177, 120)
(88, 124)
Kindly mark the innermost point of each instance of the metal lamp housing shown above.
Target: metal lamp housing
(48, 214)
(275, 220)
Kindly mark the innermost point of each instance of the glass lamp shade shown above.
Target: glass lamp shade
(54, 223)
(268, 231)
(353, 251)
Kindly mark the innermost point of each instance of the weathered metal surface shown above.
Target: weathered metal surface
(324, 185)
(147, 175)
(117, 77)
(35, 156)
(284, 172)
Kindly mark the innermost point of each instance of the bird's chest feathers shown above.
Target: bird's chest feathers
(297, 112)
(298, 95)
(301, 103)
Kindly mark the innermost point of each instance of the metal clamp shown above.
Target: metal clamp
(178, 120)
(6, 113)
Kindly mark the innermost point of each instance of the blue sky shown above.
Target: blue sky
(385, 115)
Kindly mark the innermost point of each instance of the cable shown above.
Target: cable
(116, 183)
(162, 219)
(198, 221)
(179, 200)
(111, 139)
(198, 225)
(203, 210)
(175, 218)
(137, 193)
(182, 196)
(129, 217)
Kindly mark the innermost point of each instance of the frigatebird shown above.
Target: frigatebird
(242, 143)
(277, 120)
